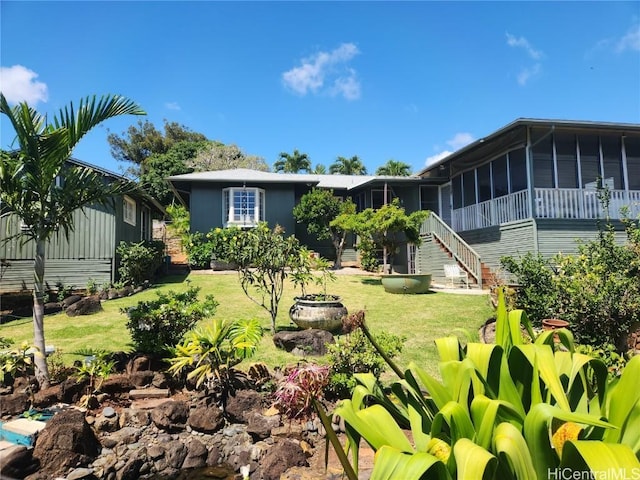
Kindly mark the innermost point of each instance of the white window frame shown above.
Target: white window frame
(129, 210)
(249, 219)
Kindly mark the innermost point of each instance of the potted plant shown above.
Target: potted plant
(316, 310)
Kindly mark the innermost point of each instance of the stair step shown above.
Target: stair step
(21, 431)
(149, 393)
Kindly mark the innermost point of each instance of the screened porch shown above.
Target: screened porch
(561, 203)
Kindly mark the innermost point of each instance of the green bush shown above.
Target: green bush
(353, 353)
(214, 346)
(139, 261)
(161, 323)
(598, 289)
(536, 293)
(368, 256)
(199, 251)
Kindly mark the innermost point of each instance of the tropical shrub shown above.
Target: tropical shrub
(504, 410)
(353, 353)
(598, 289)
(368, 254)
(16, 362)
(156, 324)
(536, 293)
(139, 261)
(216, 345)
(199, 251)
(296, 393)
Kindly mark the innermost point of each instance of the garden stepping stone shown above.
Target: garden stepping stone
(149, 393)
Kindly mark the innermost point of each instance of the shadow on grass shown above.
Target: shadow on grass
(371, 281)
(173, 278)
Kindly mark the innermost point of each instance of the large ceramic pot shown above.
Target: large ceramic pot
(407, 282)
(318, 311)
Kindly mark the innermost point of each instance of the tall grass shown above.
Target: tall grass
(420, 318)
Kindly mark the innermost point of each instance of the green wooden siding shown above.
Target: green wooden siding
(18, 275)
(509, 239)
(430, 258)
(555, 236)
(93, 238)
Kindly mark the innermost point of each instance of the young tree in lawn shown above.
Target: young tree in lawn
(29, 187)
(317, 209)
(265, 259)
(389, 227)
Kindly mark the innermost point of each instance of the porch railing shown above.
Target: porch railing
(559, 203)
(584, 204)
(508, 208)
(461, 251)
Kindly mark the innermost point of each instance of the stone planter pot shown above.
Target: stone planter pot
(318, 311)
(407, 282)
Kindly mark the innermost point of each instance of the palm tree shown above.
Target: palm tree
(292, 163)
(319, 169)
(394, 168)
(43, 190)
(348, 166)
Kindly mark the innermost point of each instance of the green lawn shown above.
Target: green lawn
(421, 318)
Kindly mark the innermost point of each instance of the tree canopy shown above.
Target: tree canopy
(394, 168)
(348, 166)
(40, 186)
(142, 140)
(317, 209)
(218, 156)
(292, 163)
(388, 227)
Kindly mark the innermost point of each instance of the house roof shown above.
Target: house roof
(509, 135)
(107, 173)
(337, 182)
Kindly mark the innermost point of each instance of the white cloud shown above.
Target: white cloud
(522, 42)
(459, 140)
(630, 41)
(172, 106)
(326, 72)
(528, 72)
(436, 158)
(348, 87)
(18, 84)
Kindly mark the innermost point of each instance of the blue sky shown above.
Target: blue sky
(381, 80)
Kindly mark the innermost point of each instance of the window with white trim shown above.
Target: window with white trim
(129, 210)
(243, 206)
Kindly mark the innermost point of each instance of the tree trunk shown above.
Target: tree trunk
(39, 357)
(338, 245)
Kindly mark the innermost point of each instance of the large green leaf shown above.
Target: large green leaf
(537, 432)
(473, 461)
(622, 408)
(603, 460)
(510, 445)
(487, 413)
(375, 425)
(392, 464)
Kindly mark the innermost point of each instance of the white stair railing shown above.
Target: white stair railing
(460, 250)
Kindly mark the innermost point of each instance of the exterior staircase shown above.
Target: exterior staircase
(440, 245)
